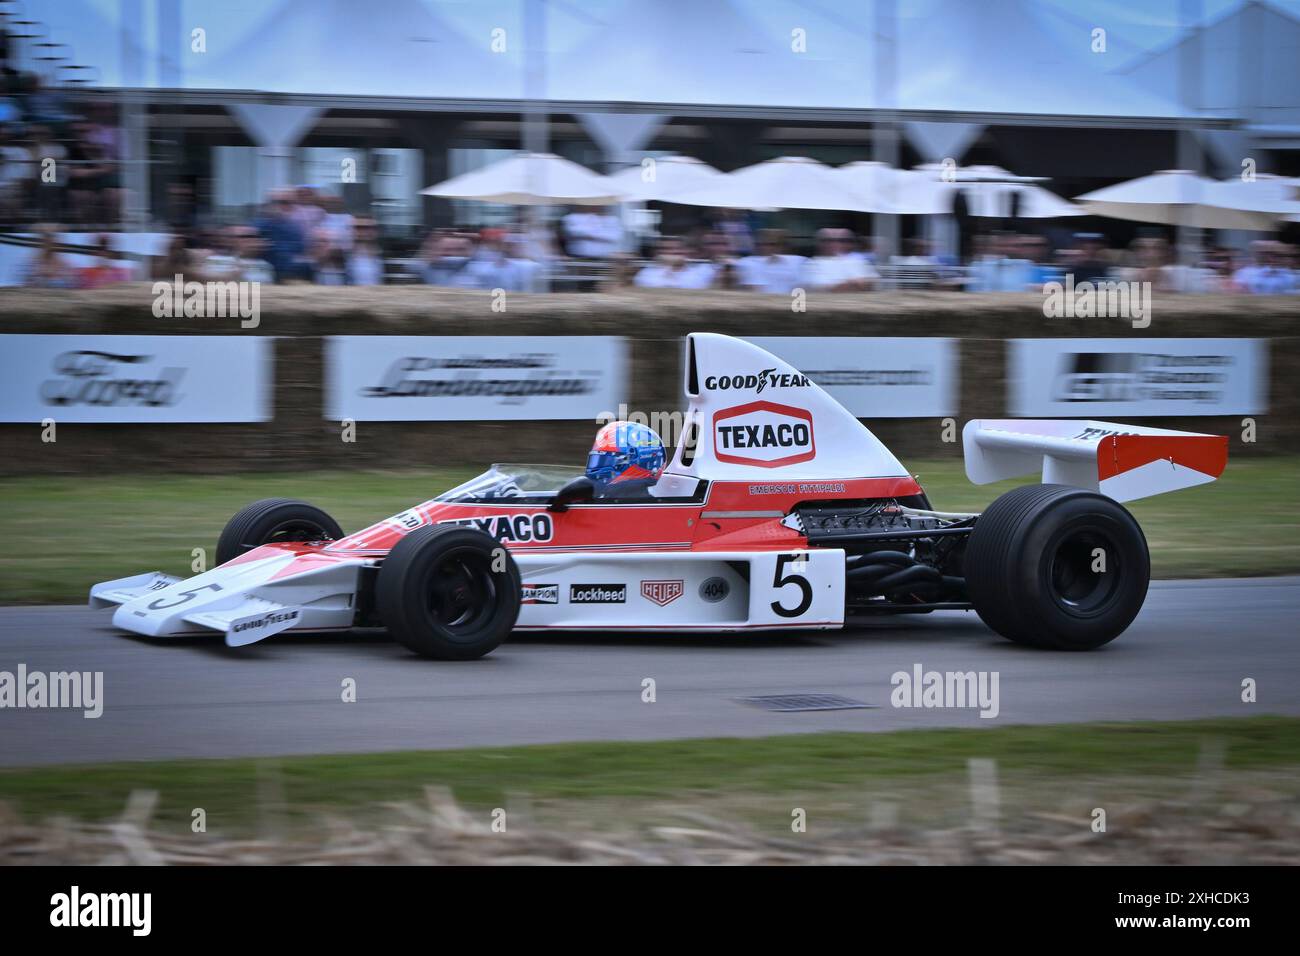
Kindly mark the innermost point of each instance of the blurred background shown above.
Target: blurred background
(557, 191)
(290, 141)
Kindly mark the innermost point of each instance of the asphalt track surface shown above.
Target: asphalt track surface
(1184, 657)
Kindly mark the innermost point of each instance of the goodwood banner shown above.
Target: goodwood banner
(473, 378)
(878, 377)
(146, 379)
(1104, 378)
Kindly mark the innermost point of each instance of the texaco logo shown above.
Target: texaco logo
(764, 434)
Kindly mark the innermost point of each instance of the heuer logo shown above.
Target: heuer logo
(764, 434)
(540, 594)
(662, 593)
(597, 593)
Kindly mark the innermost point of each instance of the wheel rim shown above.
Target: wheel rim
(292, 531)
(461, 593)
(1075, 585)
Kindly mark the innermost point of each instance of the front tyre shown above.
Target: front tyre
(1057, 567)
(274, 520)
(448, 592)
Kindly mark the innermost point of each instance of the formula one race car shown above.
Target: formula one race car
(777, 510)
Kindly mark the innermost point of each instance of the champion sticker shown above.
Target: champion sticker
(540, 594)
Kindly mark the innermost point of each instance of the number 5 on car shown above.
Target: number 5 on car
(803, 587)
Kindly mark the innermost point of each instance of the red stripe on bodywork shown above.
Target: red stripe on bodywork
(304, 563)
(1117, 454)
(264, 551)
(762, 535)
(785, 494)
(634, 526)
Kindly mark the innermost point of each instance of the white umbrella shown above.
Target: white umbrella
(894, 190)
(993, 191)
(663, 178)
(531, 179)
(790, 182)
(1174, 197)
(990, 191)
(1279, 195)
(1039, 203)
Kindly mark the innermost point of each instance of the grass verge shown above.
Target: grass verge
(589, 775)
(65, 534)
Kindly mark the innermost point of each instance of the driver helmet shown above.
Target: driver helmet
(625, 452)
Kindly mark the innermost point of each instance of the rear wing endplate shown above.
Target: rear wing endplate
(1123, 462)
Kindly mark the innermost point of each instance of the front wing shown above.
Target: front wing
(246, 600)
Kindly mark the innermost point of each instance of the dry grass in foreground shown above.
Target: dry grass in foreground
(1253, 821)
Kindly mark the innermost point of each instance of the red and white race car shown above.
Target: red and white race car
(777, 510)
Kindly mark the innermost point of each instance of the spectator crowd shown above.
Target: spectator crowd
(58, 163)
(999, 262)
(306, 234)
(61, 162)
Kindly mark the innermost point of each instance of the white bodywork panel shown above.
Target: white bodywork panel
(668, 590)
(1153, 478)
(758, 418)
(683, 590)
(122, 590)
(244, 600)
(1123, 462)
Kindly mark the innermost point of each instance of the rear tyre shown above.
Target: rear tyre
(1057, 567)
(271, 520)
(448, 593)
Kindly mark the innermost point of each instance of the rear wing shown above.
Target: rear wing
(1123, 462)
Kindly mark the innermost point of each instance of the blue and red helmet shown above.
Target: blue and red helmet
(625, 452)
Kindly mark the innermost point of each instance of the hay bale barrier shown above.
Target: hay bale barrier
(300, 438)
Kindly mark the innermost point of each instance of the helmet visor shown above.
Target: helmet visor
(601, 464)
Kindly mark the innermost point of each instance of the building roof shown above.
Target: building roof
(1248, 67)
(953, 56)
